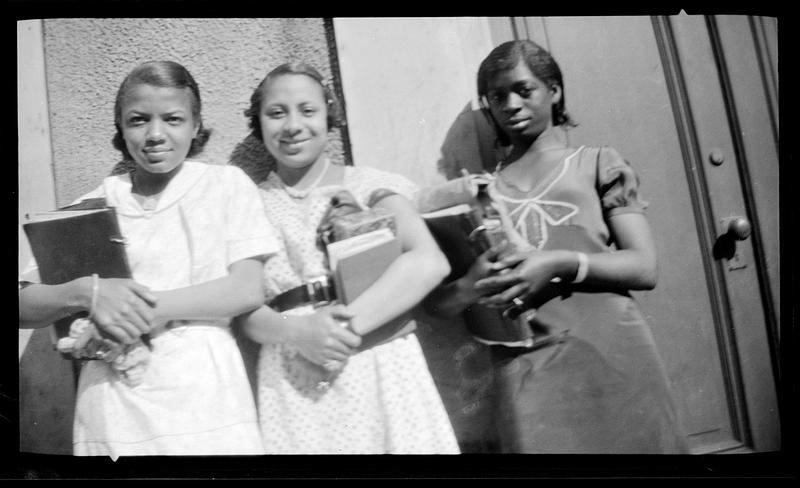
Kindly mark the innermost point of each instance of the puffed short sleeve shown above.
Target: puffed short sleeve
(248, 231)
(617, 184)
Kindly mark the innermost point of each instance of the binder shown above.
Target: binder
(77, 241)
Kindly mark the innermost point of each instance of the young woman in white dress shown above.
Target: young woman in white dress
(196, 239)
(381, 400)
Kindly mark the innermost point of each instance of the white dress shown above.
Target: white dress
(384, 400)
(195, 398)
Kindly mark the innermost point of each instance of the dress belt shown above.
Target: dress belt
(315, 292)
(221, 323)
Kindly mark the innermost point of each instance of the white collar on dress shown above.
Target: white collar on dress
(118, 190)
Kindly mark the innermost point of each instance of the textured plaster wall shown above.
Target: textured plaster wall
(86, 60)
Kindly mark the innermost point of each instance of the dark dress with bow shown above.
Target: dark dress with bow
(601, 388)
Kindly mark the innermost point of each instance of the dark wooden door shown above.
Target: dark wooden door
(691, 102)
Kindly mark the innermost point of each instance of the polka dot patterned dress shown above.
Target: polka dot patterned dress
(384, 399)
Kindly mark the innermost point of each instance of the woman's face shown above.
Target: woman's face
(521, 103)
(293, 118)
(158, 126)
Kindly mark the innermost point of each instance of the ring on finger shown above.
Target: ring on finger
(517, 301)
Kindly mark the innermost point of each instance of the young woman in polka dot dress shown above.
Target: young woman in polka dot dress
(316, 395)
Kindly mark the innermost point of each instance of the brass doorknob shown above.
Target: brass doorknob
(739, 228)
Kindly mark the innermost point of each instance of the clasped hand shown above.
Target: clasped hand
(322, 338)
(123, 310)
(515, 273)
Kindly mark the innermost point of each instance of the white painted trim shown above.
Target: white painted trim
(35, 178)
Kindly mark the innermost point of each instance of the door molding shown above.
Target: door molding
(706, 230)
(768, 70)
(759, 253)
(336, 81)
(726, 87)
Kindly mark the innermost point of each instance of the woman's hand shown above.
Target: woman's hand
(484, 266)
(452, 298)
(123, 309)
(528, 272)
(323, 338)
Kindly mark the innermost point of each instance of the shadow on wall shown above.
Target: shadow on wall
(469, 145)
(46, 397)
(460, 365)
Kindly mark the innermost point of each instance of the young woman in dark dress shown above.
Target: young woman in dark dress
(592, 380)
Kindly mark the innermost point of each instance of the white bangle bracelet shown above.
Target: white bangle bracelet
(583, 268)
(95, 291)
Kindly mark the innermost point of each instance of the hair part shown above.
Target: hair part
(507, 56)
(334, 118)
(164, 74)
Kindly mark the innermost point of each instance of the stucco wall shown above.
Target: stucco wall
(69, 71)
(86, 60)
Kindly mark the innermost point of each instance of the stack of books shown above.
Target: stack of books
(360, 247)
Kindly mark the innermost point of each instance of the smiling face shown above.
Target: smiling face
(521, 103)
(158, 126)
(293, 119)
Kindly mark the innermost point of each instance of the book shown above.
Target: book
(76, 241)
(362, 222)
(359, 261)
(463, 232)
(356, 263)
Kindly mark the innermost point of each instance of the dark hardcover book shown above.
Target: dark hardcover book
(76, 241)
(463, 233)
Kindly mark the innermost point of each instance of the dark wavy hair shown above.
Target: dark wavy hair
(166, 74)
(298, 68)
(505, 57)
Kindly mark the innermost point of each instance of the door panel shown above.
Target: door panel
(754, 101)
(655, 90)
(718, 57)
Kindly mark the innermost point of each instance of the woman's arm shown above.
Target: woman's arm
(411, 276)
(454, 297)
(318, 336)
(122, 307)
(238, 292)
(634, 266)
(41, 305)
